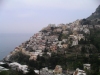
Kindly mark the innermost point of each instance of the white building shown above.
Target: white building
(1, 63)
(8, 57)
(80, 36)
(19, 67)
(36, 71)
(79, 72)
(75, 42)
(3, 69)
(87, 31)
(60, 46)
(45, 69)
(87, 66)
(64, 40)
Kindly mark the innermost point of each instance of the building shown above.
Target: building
(65, 45)
(3, 69)
(79, 72)
(46, 71)
(19, 67)
(2, 63)
(57, 70)
(36, 71)
(87, 66)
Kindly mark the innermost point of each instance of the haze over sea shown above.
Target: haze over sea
(9, 41)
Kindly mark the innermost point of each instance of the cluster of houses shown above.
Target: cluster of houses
(48, 39)
(44, 71)
(59, 71)
(82, 72)
(14, 66)
(19, 67)
(2, 68)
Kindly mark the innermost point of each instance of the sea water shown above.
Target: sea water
(8, 41)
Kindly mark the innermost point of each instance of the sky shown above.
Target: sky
(30, 16)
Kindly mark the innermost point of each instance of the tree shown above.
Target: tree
(4, 73)
(20, 57)
(83, 50)
(31, 72)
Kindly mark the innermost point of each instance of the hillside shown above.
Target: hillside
(95, 15)
(69, 45)
(93, 19)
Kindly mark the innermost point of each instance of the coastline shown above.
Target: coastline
(8, 41)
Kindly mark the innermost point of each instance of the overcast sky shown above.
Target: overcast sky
(29, 16)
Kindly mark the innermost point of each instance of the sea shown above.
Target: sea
(8, 41)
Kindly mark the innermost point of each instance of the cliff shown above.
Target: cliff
(95, 15)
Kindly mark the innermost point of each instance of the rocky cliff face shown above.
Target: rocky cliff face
(93, 19)
(95, 15)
